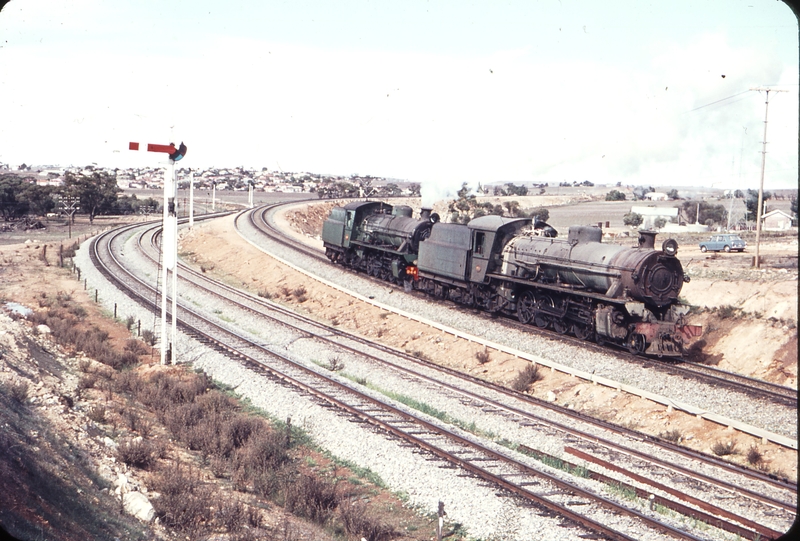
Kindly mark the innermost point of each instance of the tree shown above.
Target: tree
(673, 194)
(659, 222)
(21, 196)
(539, 213)
(512, 207)
(639, 192)
(515, 190)
(632, 219)
(717, 214)
(11, 206)
(97, 193)
(752, 203)
(615, 195)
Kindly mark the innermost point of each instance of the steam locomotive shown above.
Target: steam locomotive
(609, 293)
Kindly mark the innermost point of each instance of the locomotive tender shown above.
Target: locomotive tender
(606, 292)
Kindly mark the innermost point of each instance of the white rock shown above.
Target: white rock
(551, 396)
(43, 329)
(137, 504)
(108, 442)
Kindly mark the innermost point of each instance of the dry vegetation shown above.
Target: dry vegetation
(83, 406)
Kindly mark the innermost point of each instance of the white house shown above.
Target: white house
(651, 214)
(776, 220)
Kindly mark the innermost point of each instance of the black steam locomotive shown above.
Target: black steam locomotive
(516, 266)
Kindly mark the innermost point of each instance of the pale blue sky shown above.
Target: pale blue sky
(429, 91)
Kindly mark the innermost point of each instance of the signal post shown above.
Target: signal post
(169, 243)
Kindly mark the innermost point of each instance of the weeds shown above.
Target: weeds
(19, 391)
(484, 356)
(263, 293)
(335, 364)
(527, 377)
(754, 456)
(137, 347)
(149, 337)
(138, 452)
(674, 436)
(300, 294)
(727, 311)
(97, 414)
(724, 448)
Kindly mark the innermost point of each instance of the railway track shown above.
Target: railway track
(483, 465)
(751, 387)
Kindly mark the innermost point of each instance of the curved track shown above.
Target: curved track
(232, 342)
(779, 394)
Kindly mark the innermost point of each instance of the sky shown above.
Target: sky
(437, 92)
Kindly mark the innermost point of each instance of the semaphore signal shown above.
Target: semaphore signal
(169, 244)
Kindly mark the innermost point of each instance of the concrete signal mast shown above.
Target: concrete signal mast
(169, 242)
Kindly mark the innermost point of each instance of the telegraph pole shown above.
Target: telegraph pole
(759, 210)
(69, 206)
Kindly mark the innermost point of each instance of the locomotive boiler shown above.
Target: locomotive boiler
(626, 295)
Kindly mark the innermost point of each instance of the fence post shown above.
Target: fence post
(439, 525)
(96, 291)
(115, 310)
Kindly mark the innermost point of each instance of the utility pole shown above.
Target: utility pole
(759, 208)
(69, 206)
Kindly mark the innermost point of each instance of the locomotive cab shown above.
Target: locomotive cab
(489, 236)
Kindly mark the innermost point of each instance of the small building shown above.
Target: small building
(656, 196)
(651, 213)
(776, 220)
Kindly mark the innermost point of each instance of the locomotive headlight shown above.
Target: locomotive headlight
(670, 247)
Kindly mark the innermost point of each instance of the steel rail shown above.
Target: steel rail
(482, 472)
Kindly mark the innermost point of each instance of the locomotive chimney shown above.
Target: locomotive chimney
(647, 240)
(425, 214)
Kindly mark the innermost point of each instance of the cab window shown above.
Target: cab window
(479, 240)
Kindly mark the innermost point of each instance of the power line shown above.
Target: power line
(718, 101)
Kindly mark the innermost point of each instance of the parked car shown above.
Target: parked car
(726, 243)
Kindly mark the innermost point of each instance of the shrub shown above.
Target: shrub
(674, 436)
(129, 321)
(19, 391)
(359, 524)
(264, 294)
(754, 456)
(300, 294)
(184, 502)
(335, 364)
(138, 453)
(87, 382)
(724, 448)
(311, 497)
(527, 377)
(97, 414)
(724, 312)
(484, 356)
(149, 337)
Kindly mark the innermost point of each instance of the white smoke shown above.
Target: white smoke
(433, 191)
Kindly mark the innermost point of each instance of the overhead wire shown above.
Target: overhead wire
(719, 101)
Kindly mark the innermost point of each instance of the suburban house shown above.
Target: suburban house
(776, 220)
(651, 214)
